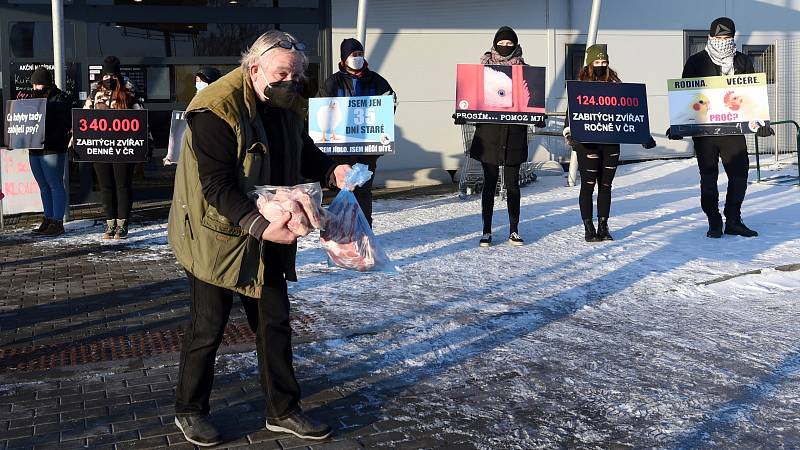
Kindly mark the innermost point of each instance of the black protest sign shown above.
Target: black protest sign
(177, 128)
(608, 113)
(24, 123)
(110, 135)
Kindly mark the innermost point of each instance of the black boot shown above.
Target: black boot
(734, 225)
(42, 226)
(590, 234)
(714, 226)
(602, 229)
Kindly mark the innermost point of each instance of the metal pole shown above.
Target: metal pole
(61, 78)
(591, 39)
(361, 24)
(758, 160)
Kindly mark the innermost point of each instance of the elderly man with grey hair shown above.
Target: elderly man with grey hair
(246, 129)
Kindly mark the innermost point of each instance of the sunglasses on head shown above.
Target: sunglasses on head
(287, 45)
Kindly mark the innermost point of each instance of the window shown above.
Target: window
(694, 42)
(35, 39)
(183, 39)
(763, 57)
(576, 56)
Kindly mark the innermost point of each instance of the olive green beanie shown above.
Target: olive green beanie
(595, 52)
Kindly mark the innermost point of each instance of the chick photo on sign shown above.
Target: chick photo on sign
(352, 125)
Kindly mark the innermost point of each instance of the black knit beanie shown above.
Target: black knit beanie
(209, 74)
(111, 66)
(42, 76)
(722, 27)
(505, 33)
(349, 46)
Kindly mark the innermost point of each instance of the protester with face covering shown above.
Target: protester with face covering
(353, 79)
(205, 76)
(245, 130)
(114, 91)
(597, 162)
(496, 145)
(47, 164)
(721, 58)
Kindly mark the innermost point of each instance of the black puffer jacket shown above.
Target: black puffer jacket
(502, 145)
(701, 65)
(57, 123)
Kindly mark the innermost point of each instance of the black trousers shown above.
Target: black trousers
(733, 152)
(491, 174)
(268, 317)
(598, 165)
(116, 181)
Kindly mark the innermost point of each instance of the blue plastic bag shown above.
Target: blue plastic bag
(348, 238)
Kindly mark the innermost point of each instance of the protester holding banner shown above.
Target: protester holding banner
(496, 145)
(355, 79)
(245, 129)
(597, 161)
(114, 91)
(721, 58)
(47, 164)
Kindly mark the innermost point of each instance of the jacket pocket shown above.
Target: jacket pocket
(216, 222)
(253, 166)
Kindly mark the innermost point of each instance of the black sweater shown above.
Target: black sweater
(701, 65)
(215, 147)
(57, 123)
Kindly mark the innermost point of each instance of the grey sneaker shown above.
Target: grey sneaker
(198, 430)
(300, 425)
(486, 240)
(515, 239)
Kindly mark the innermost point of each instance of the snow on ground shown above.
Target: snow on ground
(662, 338)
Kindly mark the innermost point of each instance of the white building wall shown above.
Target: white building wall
(416, 45)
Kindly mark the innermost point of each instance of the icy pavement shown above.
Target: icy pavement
(566, 343)
(662, 338)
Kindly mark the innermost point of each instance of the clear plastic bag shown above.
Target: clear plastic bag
(303, 201)
(348, 238)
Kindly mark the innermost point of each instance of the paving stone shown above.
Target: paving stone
(346, 444)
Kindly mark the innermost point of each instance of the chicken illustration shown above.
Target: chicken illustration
(733, 101)
(328, 118)
(697, 112)
(745, 105)
(496, 88)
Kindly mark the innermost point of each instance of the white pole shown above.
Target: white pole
(361, 24)
(61, 78)
(591, 39)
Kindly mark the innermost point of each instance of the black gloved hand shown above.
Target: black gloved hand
(649, 144)
(765, 131)
(672, 136)
(459, 120)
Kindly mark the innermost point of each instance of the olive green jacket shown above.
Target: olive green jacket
(209, 245)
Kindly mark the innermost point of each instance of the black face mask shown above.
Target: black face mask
(110, 84)
(282, 94)
(600, 71)
(505, 50)
(40, 93)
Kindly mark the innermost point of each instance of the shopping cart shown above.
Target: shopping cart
(470, 180)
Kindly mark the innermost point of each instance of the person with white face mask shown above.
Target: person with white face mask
(356, 79)
(205, 76)
(721, 58)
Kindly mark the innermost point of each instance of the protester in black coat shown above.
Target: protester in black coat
(47, 163)
(721, 58)
(496, 145)
(354, 79)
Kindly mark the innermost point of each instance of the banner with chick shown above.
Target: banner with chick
(352, 125)
(500, 94)
(715, 106)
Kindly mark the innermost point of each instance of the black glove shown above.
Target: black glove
(459, 120)
(672, 136)
(765, 131)
(649, 144)
(541, 123)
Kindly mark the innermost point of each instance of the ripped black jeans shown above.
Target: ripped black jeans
(598, 165)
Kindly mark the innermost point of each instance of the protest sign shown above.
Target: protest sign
(352, 125)
(177, 128)
(19, 186)
(24, 123)
(500, 94)
(608, 113)
(21, 87)
(709, 106)
(110, 135)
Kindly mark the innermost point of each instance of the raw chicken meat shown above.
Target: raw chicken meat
(303, 202)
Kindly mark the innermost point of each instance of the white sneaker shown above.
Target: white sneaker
(486, 240)
(515, 239)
